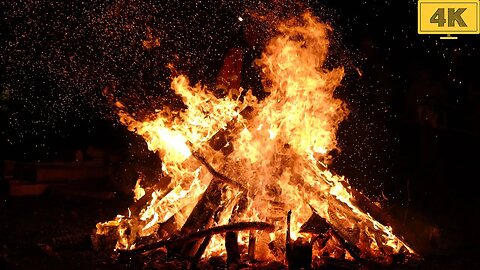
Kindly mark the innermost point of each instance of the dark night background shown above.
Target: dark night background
(411, 141)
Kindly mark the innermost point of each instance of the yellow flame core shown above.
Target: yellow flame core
(276, 152)
(301, 108)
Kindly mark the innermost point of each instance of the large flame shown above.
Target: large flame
(276, 152)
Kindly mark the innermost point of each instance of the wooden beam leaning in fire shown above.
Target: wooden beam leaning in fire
(220, 142)
(209, 205)
(327, 196)
(137, 207)
(363, 202)
(363, 236)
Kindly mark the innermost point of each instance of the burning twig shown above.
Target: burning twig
(235, 227)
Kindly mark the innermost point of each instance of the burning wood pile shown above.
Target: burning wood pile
(247, 179)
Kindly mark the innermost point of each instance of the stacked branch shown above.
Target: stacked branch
(234, 227)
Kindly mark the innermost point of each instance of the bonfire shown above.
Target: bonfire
(248, 179)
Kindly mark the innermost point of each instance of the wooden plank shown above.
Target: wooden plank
(234, 227)
(202, 215)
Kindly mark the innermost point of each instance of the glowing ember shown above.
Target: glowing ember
(277, 159)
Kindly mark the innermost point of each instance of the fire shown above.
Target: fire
(138, 191)
(276, 163)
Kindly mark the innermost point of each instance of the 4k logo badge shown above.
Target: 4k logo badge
(448, 17)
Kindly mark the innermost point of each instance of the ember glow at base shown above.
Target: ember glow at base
(241, 159)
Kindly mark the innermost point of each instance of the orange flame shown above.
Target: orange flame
(138, 191)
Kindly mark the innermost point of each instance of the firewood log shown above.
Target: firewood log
(233, 252)
(234, 227)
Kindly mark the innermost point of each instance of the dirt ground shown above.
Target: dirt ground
(38, 232)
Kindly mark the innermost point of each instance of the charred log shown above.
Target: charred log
(299, 252)
(364, 203)
(315, 225)
(233, 252)
(252, 242)
(200, 251)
